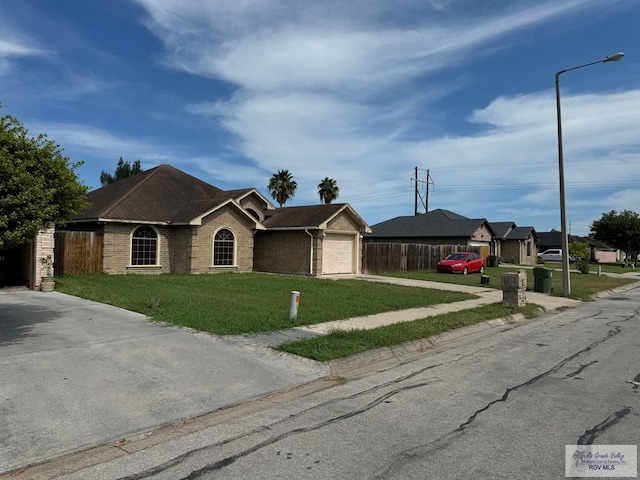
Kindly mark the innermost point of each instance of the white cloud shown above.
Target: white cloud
(318, 82)
(16, 47)
(328, 45)
(103, 143)
(12, 46)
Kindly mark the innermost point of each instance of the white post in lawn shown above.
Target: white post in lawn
(293, 305)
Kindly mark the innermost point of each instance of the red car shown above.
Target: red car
(461, 262)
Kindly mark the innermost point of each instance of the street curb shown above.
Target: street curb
(388, 357)
(622, 289)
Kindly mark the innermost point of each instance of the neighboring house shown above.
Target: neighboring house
(437, 227)
(547, 240)
(514, 244)
(163, 220)
(500, 230)
(599, 251)
(603, 253)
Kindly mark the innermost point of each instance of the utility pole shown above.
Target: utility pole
(416, 191)
(429, 182)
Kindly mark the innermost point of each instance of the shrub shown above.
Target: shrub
(583, 266)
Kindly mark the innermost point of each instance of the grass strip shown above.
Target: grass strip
(583, 287)
(341, 344)
(239, 303)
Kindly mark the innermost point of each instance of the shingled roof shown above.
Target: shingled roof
(162, 194)
(311, 216)
(502, 229)
(521, 233)
(436, 223)
(554, 240)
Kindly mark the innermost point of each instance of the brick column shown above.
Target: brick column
(514, 286)
(44, 244)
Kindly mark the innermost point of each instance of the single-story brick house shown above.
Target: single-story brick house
(514, 244)
(444, 227)
(437, 227)
(164, 220)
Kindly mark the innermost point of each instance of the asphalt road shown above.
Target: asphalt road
(500, 404)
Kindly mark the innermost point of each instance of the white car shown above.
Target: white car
(555, 255)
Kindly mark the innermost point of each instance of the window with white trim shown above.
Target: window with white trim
(223, 247)
(144, 246)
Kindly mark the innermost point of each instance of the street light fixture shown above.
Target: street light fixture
(566, 285)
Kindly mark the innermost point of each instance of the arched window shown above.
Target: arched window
(223, 247)
(144, 246)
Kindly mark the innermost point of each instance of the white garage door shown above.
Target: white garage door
(338, 253)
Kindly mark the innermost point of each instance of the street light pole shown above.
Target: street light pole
(566, 283)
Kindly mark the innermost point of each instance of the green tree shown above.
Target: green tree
(282, 186)
(620, 230)
(123, 170)
(38, 185)
(580, 250)
(328, 190)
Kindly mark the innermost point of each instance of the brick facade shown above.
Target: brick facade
(343, 224)
(202, 250)
(286, 252)
(181, 248)
(483, 234)
(515, 251)
(289, 251)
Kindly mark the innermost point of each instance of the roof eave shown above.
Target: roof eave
(197, 221)
(353, 214)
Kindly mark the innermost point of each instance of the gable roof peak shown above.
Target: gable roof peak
(448, 213)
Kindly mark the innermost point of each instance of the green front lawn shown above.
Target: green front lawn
(583, 287)
(238, 303)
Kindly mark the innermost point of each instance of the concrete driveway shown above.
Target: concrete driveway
(76, 373)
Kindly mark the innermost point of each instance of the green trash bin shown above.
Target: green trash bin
(493, 260)
(542, 279)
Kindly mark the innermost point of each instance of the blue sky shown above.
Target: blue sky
(361, 91)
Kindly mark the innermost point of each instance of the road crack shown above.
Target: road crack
(590, 435)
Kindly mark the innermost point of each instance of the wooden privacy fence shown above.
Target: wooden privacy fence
(78, 252)
(387, 257)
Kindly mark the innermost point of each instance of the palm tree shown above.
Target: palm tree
(328, 190)
(282, 186)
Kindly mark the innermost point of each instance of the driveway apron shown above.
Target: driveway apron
(76, 373)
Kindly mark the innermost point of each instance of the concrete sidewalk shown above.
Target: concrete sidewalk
(486, 296)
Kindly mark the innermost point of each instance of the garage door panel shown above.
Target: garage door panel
(338, 254)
